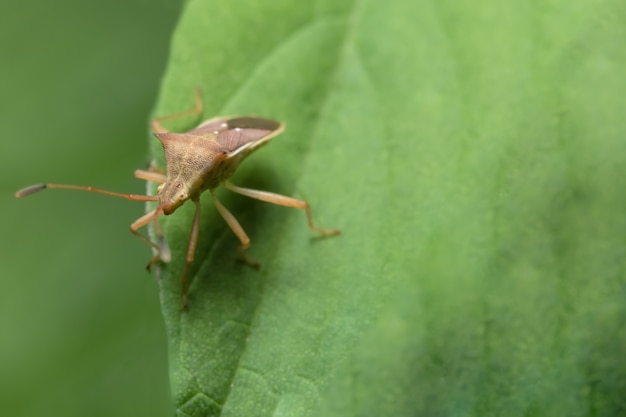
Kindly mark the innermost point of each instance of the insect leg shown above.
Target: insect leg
(158, 177)
(152, 176)
(162, 250)
(282, 200)
(156, 123)
(191, 250)
(237, 229)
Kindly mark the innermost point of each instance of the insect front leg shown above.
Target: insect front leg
(237, 229)
(191, 250)
(151, 175)
(162, 250)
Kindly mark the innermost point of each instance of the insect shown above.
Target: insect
(196, 161)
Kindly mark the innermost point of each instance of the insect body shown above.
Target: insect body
(197, 161)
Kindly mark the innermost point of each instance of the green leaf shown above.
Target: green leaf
(471, 152)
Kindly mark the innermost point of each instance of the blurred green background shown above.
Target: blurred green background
(82, 333)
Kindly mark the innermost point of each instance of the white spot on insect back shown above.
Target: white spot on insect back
(237, 129)
(216, 132)
(224, 125)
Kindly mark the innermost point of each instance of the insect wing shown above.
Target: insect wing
(239, 134)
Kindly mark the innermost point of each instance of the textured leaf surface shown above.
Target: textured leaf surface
(473, 155)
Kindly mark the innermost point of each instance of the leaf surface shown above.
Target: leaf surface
(470, 152)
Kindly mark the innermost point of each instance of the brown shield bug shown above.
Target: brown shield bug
(196, 161)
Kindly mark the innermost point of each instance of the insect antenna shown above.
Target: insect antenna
(39, 187)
